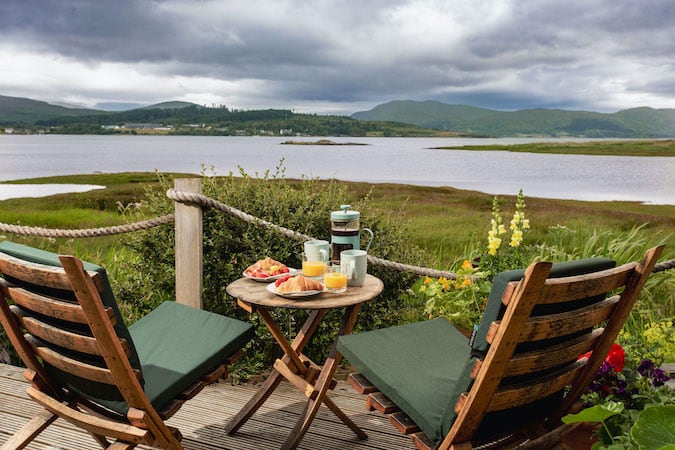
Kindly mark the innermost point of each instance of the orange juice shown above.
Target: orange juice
(335, 281)
(313, 268)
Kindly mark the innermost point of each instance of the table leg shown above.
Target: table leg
(273, 380)
(322, 384)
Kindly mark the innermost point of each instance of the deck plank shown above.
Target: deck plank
(202, 420)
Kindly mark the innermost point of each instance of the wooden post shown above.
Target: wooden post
(189, 231)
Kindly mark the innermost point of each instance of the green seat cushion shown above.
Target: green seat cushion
(424, 367)
(178, 345)
(173, 346)
(416, 365)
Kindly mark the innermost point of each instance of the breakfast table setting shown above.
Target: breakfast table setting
(333, 276)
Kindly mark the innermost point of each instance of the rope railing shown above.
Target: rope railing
(86, 232)
(203, 201)
(207, 202)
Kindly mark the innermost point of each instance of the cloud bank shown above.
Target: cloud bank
(339, 57)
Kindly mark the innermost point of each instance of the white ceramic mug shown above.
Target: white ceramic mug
(356, 263)
(317, 250)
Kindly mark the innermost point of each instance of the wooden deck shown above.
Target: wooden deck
(202, 420)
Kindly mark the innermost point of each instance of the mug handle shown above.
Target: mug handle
(324, 255)
(370, 233)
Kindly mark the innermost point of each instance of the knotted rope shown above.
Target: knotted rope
(194, 199)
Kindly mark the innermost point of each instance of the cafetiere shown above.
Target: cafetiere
(345, 233)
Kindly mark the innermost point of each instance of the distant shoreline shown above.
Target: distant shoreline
(320, 142)
(665, 148)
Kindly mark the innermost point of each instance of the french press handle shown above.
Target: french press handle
(370, 233)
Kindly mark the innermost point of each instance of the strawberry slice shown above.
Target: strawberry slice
(281, 280)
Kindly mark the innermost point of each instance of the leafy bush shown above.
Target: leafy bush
(230, 245)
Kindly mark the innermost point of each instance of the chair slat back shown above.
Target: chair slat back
(561, 324)
(534, 349)
(53, 325)
(40, 275)
(584, 286)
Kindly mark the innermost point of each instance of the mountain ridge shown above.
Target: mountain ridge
(636, 122)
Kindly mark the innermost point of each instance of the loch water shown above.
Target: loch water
(382, 160)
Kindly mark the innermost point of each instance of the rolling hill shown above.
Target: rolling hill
(25, 111)
(16, 110)
(630, 123)
(170, 105)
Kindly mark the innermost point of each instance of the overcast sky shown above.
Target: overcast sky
(325, 56)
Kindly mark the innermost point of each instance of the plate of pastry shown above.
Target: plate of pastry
(268, 270)
(296, 286)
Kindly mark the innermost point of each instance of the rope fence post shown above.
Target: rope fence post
(189, 234)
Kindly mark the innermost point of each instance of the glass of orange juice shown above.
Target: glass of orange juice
(312, 268)
(334, 278)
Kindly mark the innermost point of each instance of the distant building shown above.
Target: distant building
(145, 126)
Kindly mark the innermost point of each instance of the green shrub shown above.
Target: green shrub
(230, 245)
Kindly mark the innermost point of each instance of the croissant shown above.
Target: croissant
(299, 284)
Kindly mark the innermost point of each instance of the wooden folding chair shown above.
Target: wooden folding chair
(86, 367)
(521, 372)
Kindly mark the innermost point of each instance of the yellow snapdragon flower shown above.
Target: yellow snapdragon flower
(516, 238)
(493, 245)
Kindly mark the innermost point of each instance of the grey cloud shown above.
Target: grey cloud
(346, 52)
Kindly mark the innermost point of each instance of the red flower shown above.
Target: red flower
(616, 357)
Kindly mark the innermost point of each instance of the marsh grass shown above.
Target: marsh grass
(447, 223)
(442, 220)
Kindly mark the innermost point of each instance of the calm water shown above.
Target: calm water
(398, 160)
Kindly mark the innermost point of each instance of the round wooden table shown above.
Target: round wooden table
(311, 379)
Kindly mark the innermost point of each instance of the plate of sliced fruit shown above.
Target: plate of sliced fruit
(268, 270)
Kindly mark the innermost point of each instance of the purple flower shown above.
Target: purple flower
(646, 367)
(604, 368)
(621, 386)
(659, 377)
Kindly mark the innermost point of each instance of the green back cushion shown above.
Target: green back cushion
(504, 420)
(178, 345)
(494, 309)
(415, 365)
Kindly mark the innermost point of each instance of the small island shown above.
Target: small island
(320, 142)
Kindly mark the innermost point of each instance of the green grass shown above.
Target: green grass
(445, 220)
(607, 148)
(442, 220)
